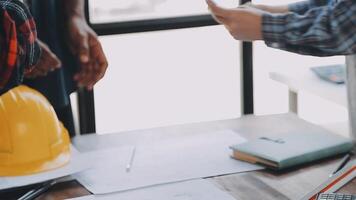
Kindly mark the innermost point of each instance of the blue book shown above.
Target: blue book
(291, 149)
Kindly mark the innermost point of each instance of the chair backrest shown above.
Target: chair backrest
(351, 90)
(86, 108)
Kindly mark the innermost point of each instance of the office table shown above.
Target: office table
(265, 184)
(303, 79)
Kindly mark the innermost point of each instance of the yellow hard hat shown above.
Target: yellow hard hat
(32, 139)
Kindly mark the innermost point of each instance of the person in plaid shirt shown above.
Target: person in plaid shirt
(312, 27)
(22, 55)
(19, 50)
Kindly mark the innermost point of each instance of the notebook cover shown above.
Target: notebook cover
(296, 148)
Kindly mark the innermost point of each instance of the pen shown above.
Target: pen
(32, 194)
(343, 162)
(129, 165)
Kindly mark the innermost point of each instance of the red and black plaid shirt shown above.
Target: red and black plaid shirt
(19, 50)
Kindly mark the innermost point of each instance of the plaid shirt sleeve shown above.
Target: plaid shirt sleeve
(303, 6)
(19, 50)
(321, 31)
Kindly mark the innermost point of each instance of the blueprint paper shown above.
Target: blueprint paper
(166, 161)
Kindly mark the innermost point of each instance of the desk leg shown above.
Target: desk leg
(293, 102)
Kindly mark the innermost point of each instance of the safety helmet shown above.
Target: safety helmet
(32, 139)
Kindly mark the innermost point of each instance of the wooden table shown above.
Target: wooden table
(266, 185)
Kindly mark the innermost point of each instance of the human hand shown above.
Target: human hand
(84, 43)
(243, 23)
(48, 62)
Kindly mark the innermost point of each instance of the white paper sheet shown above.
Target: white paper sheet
(78, 163)
(166, 161)
(188, 190)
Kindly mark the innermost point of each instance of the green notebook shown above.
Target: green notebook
(293, 148)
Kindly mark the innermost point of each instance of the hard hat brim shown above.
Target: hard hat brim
(38, 166)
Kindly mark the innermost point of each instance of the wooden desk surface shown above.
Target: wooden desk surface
(266, 185)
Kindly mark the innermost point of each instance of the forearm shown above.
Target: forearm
(251, 25)
(243, 23)
(246, 24)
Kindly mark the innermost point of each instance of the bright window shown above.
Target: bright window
(166, 77)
